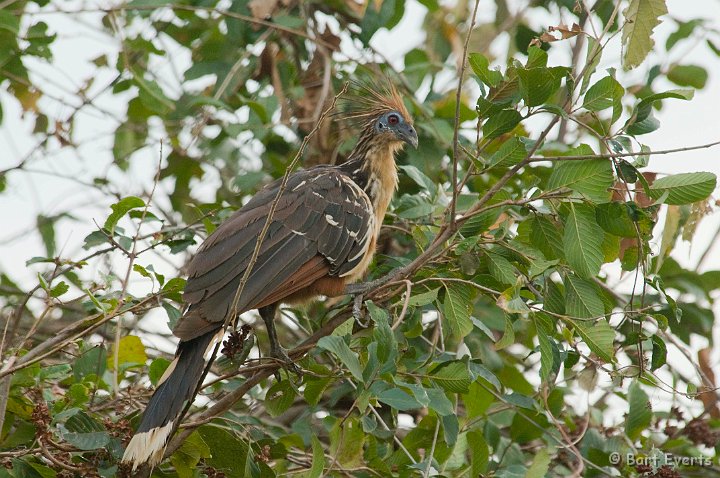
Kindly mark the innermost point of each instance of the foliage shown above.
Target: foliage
(526, 321)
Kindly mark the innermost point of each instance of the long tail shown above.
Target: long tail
(177, 385)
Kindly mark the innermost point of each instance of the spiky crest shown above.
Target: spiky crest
(365, 102)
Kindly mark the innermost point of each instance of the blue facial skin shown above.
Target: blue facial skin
(394, 123)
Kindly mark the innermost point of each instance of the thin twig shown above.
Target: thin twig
(408, 293)
(426, 472)
(456, 128)
(581, 157)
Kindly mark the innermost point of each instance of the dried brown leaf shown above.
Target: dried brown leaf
(263, 9)
(707, 393)
(697, 212)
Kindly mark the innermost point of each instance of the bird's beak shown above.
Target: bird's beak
(407, 134)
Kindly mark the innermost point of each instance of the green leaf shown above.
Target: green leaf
(157, 369)
(27, 468)
(714, 48)
(478, 370)
(684, 188)
(423, 298)
(414, 206)
(642, 121)
(688, 75)
(398, 399)
(592, 59)
(129, 137)
(582, 299)
(546, 235)
(614, 218)
(456, 309)
(639, 127)
(480, 223)
(318, 459)
(500, 268)
(540, 83)
(511, 302)
(439, 402)
(186, 458)
(598, 336)
(583, 240)
(59, 289)
(549, 353)
(131, 352)
(479, 452)
(91, 362)
(510, 153)
(55, 372)
(685, 29)
(508, 337)
(95, 238)
(383, 336)
(590, 177)
(9, 22)
(340, 349)
(153, 97)
(346, 442)
(452, 376)
(279, 397)
(420, 178)
(377, 17)
(659, 353)
(604, 94)
(640, 412)
(540, 464)
(641, 17)
(228, 453)
(87, 441)
(480, 66)
(119, 209)
(46, 228)
(501, 123)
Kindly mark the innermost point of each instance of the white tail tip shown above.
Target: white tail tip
(147, 447)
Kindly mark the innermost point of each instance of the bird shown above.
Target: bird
(321, 237)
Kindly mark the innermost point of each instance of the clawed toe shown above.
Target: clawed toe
(287, 363)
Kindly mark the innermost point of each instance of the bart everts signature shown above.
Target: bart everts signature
(656, 460)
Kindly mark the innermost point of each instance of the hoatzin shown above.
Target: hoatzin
(321, 237)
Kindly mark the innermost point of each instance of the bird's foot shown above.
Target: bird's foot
(279, 354)
(357, 311)
(365, 287)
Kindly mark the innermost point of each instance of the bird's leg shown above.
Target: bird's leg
(357, 311)
(364, 287)
(268, 314)
(358, 292)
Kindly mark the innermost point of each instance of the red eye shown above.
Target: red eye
(393, 119)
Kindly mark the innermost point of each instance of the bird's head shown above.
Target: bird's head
(382, 117)
(392, 126)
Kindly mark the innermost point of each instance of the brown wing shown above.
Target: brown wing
(321, 227)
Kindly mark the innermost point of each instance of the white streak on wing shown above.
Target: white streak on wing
(297, 232)
(365, 241)
(299, 185)
(318, 194)
(362, 202)
(147, 447)
(216, 338)
(168, 372)
(331, 220)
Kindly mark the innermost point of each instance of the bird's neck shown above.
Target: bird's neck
(372, 167)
